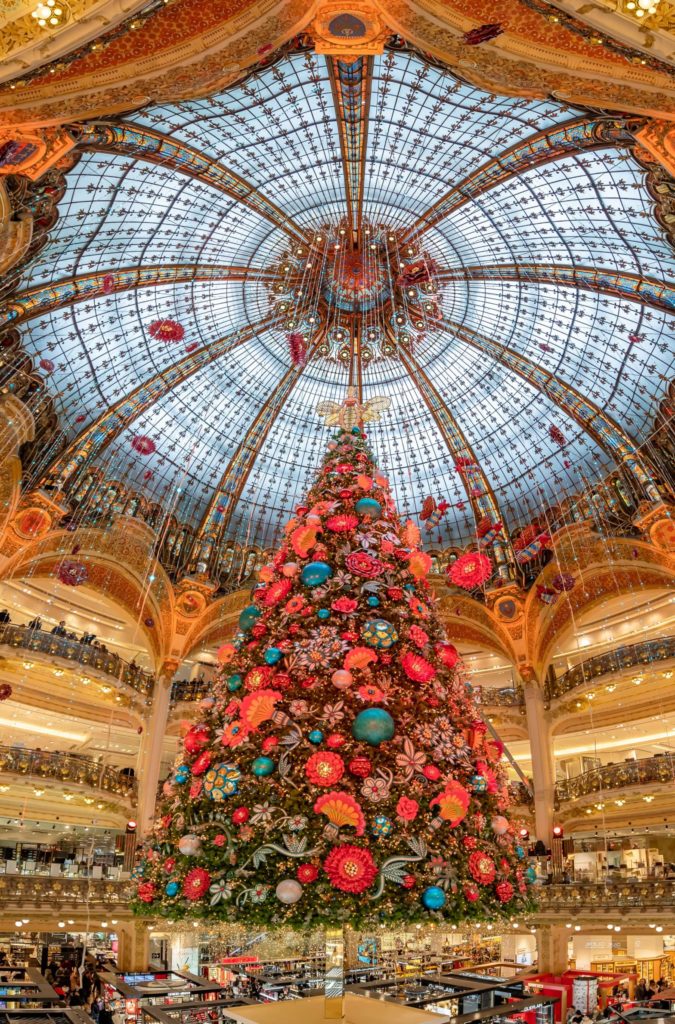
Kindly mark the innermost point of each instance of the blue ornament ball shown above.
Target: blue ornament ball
(273, 655)
(262, 766)
(234, 683)
(373, 601)
(433, 897)
(249, 617)
(373, 726)
(531, 875)
(379, 633)
(182, 773)
(315, 736)
(478, 783)
(382, 826)
(171, 888)
(323, 614)
(408, 586)
(368, 507)
(316, 573)
(520, 852)
(356, 431)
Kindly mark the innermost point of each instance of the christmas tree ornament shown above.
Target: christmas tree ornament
(368, 508)
(288, 891)
(249, 617)
(373, 726)
(340, 758)
(315, 573)
(379, 633)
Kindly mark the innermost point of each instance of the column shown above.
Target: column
(552, 942)
(133, 946)
(541, 746)
(150, 753)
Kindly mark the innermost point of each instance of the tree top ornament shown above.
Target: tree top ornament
(340, 771)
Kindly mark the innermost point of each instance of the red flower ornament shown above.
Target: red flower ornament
(146, 892)
(307, 873)
(417, 668)
(504, 891)
(364, 565)
(470, 570)
(350, 868)
(166, 330)
(196, 884)
(324, 768)
(482, 868)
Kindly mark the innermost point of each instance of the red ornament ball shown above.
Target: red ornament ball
(360, 766)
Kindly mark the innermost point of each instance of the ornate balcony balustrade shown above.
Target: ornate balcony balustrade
(83, 654)
(520, 794)
(190, 689)
(590, 897)
(84, 771)
(660, 768)
(504, 697)
(54, 893)
(644, 653)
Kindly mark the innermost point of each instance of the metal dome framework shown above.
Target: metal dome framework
(551, 263)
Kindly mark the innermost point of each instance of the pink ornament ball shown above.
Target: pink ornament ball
(499, 825)
(290, 569)
(342, 679)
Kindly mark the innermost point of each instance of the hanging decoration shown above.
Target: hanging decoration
(526, 553)
(487, 532)
(166, 330)
(546, 594)
(72, 573)
(556, 435)
(563, 582)
(5, 691)
(297, 348)
(108, 284)
(329, 778)
(470, 570)
(436, 516)
(47, 365)
(482, 34)
(143, 445)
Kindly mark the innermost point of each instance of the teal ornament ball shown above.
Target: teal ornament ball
(368, 507)
(520, 852)
(234, 683)
(531, 875)
(373, 601)
(316, 573)
(379, 633)
(356, 431)
(315, 736)
(433, 897)
(323, 614)
(221, 781)
(382, 826)
(182, 773)
(273, 655)
(171, 888)
(478, 783)
(373, 726)
(409, 586)
(262, 766)
(249, 617)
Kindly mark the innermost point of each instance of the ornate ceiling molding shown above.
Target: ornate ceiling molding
(188, 49)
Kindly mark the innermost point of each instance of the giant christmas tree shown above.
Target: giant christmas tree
(340, 772)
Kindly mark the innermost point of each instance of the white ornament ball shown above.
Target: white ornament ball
(290, 569)
(289, 891)
(313, 520)
(189, 845)
(499, 825)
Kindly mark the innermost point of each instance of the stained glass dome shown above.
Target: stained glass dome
(493, 266)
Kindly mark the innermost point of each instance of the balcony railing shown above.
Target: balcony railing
(53, 893)
(590, 896)
(45, 764)
(660, 768)
(659, 649)
(519, 793)
(83, 654)
(191, 689)
(505, 697)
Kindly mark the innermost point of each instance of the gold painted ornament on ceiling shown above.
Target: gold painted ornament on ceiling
(348, 32)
